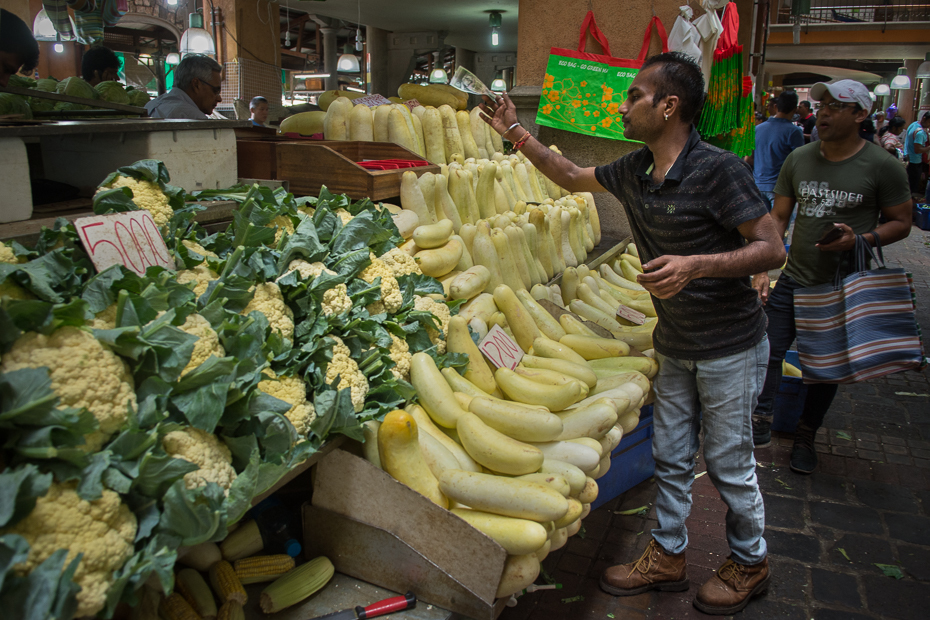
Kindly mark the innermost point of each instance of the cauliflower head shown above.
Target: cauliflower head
(105, 319)
(291, 390)
(269, 301)
(343, 215)
(208, 342)
(84, 373)
(201, 276)
(400, 354)
(281, 224)
(103, 530)
(206, 451)
(400, 262)
(8, 288)
(391, 296)
(346, 368)
(335, 300)
(146, 195)
(440, 311)
(196, 247)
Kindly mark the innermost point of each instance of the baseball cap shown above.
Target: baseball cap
(847, 91)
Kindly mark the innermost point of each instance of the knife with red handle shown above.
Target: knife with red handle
(387, 606)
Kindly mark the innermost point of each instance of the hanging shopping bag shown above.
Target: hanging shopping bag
(859, 327)
(684, 36)
(582, 92)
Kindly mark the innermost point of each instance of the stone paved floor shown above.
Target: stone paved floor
(868, 504)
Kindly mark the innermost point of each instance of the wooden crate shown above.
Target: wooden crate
(310, 164)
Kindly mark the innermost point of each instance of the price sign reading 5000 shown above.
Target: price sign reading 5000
(130, 239)
(501, 349)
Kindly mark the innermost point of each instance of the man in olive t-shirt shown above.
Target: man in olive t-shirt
(841, 181)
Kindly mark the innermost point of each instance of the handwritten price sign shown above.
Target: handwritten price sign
(131, 239)
(501, 349)
(372, 101)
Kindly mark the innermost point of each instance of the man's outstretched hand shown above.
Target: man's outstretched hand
(500, 113)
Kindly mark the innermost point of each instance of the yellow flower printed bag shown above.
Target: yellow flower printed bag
(583, 92)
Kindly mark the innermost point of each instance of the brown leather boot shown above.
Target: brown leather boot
(654, 570)
(732, 587)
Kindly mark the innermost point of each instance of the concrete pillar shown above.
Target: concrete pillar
(378, 54)
(906, 97)
(544, 24)
(465, 58)
(330, 57)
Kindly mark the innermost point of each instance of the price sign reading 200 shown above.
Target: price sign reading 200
(500, 348)
(130, 239)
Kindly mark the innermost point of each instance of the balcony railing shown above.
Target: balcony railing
(846, 12)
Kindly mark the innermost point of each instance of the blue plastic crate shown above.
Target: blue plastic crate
(630, 463)
(923, 217)
(789, 400)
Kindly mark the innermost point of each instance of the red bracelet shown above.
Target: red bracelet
(519, 143)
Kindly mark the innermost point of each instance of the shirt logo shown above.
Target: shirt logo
(670, 209)
(816, 199)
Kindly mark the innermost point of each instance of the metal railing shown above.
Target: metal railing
(847, 12)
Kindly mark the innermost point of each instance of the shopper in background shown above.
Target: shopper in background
(100, 64)
(774, 142)
(807, 119)
(701, 226)
(915, 145)
(879, 120)
(18, 48)
(197, 85)
(258, 108)
(890, 137)
(867, 131)
(844, 182)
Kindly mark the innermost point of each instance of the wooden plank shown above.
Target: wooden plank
(256, 159)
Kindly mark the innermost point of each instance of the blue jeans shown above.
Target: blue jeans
(781, 332)
(720, 394)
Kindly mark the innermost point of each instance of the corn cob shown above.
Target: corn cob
(231, 610)
(176, 608)
(297, 584)
(260, 568)
(196, 592)
(226, 584)
(201, 556)
(242, 543)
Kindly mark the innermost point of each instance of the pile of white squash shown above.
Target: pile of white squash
(516, 453)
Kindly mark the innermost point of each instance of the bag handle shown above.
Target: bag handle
(647, 37)
(857, 258)
(590, 25)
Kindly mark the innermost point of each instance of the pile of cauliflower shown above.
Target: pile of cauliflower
(207, 452)
(335, 300)
(440, 311)
(346, 369)
(269, 301)
(391, 297)
(292, 390)
(146, 195)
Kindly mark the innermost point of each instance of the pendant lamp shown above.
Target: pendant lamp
(195, 39)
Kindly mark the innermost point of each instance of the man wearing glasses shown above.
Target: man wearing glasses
(197, 85)
(841, 181)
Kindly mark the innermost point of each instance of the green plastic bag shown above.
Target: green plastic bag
(583, 92)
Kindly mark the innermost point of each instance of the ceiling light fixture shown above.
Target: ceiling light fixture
(195, 39)
(172, 2)
(42, 27)
(498, 84)
(882, 89)
(359, 39)
(348, 62)
(901, 81)
(495, 22)
(438, 75)
(923, 71)
(59, 48)
(310, 76)
(173, 58)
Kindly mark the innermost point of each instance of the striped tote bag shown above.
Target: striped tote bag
(858, 327)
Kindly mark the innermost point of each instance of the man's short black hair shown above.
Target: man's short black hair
(787, 101)
(925, 116)
(98, 58)
(16, 38)
(805, 103)
(678, 75)
(255, 101)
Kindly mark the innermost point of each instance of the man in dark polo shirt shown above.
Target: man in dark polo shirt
(702, 228)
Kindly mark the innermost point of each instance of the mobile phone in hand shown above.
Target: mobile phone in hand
(830, 234)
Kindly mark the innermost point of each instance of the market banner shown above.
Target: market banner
(582, 92)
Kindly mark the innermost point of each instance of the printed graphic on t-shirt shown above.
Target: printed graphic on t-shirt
(816, 199)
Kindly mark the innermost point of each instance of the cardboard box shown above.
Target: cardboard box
(378, 530)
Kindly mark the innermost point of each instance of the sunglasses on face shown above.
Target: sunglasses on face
(216, 89)
(834, 106)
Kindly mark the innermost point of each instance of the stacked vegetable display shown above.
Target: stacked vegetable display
(141, 414)
(74, 86)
